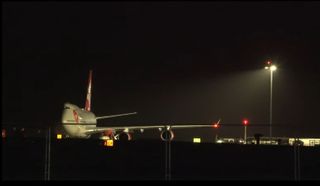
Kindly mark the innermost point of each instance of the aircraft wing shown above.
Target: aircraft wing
(195, 126)
(116, 128)
(116, 115)
(139, 127)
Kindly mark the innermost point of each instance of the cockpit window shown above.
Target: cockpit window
(67, 107)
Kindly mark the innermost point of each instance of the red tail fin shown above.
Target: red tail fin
(88, 99)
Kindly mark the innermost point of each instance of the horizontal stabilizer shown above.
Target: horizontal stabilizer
(116, 115)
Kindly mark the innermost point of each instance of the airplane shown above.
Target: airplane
(82, 123)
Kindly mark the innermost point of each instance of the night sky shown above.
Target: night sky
(172, 62)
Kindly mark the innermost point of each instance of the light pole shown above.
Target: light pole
(271, 68)
(245, 124)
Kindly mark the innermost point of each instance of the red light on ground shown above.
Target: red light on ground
(245, 122)
(4, 134)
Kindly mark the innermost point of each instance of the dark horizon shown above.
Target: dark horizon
(176, 62)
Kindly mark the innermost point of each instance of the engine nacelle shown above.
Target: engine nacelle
(167, 135)
(125, 136)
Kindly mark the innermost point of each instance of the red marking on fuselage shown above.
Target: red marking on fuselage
(76, 117)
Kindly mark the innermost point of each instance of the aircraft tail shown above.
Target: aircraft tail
(88, 98)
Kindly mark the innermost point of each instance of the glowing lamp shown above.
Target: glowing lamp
(215, 125)
(108, 143)
(245, 122)
(59, 136)
(273, 68)
(196, 140)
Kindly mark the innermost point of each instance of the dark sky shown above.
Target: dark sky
(173, 62)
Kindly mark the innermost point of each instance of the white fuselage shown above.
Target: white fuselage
(77, 121)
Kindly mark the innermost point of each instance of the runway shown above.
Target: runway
(24, 159)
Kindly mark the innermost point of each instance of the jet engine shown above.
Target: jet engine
(167, 135)
(125, 136)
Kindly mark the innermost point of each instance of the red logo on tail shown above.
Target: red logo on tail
(88, 99)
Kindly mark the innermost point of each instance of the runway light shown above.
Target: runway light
(108, 143)
(219, 141)
(196, 140)
(59, 136)
(273, 68)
